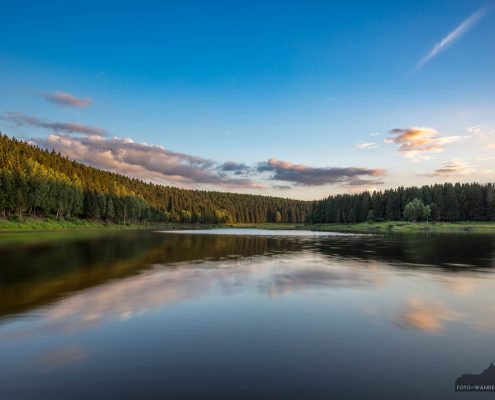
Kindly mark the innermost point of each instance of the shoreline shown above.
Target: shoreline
(51, 224)
(387, 227)
(60, 225)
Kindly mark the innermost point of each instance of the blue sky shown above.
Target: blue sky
(299, 98)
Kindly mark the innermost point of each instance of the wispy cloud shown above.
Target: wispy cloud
(482, 159)
(19, 119)
(65, 99)
(304, 175)
(474, 130)
(460, 30)
(483, 132)
(417, 143)
(456, 167)
(368, 145)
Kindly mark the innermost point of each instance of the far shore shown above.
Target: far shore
(386, 227)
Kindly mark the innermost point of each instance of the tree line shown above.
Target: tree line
(441, 202)
(38, 182)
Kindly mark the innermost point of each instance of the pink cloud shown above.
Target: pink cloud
(66, 99)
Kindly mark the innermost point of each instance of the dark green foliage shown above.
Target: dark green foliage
(38, 182)
(447, 202)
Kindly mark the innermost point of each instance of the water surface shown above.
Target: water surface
(244, 314)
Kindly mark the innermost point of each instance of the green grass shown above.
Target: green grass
(53, 224)
(382, 227)
(405, 227)
(41, 224)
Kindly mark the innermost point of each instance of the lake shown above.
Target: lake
(243, 314)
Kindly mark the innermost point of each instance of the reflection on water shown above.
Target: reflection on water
(418, 313)
(167, 315)
(259, 232)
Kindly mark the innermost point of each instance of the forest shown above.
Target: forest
(440, 202)
(38, 182)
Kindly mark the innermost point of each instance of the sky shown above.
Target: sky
(299, 99)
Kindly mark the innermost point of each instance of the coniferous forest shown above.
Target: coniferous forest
(446, 202)
(38, 182)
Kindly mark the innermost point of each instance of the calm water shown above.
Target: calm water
(258, 314)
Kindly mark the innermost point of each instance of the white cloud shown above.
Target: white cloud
(368, 145)
(460, 30)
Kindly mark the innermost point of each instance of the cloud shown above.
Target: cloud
(474, 129)
(309, 176)
(159, 287)
(141, 160)
(233, 166)
(297, 280)
(482, 132)
(460, 30)
(369, 145)
(92, 146)
(462, 285)
(60, 127)
(236, 168)
(417, 143)
(66, 99)
(375, 134)
(359, 182)
(455, 167)
(61, 357)
(425, 316)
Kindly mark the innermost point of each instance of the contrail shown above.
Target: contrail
(465, 25)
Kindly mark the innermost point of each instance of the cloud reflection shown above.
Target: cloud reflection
(61, 357)
(423, 315)
(326, 277)
(164, 286)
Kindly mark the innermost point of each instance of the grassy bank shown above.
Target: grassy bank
(383, 227)
(405, 227)
(49, 224)
(52, 224)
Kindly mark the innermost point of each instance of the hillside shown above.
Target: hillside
(38, 182)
